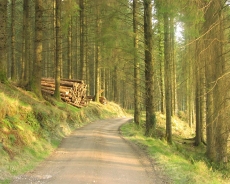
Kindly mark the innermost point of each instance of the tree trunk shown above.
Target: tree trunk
(115, 85)
(137, 95)
(3, 15)
(103, 78)
(82, 41)
(98, 53)
(13, 61)
(198, 109)
(26, 38)
(36, 78)
(173, 68)
(210, 65)
(210, 123)
(70, 48)
(161, 60)
(168, 80)
(149, 69)
(58, 50)
(220, 91)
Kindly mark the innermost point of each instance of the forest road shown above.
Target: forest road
(95, 153)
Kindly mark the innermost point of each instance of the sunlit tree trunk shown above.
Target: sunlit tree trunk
(217, 126)
(209, 64)
(173, 67)
(217, 36)
(222, 125)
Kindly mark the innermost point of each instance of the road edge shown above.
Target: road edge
(152, 168)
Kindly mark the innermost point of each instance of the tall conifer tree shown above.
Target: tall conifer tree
(149, 69)
(3, 17)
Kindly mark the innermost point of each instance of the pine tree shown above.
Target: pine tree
(3, 17)
(149, 69)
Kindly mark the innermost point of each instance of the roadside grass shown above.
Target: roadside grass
(182, 162)
(30, 130)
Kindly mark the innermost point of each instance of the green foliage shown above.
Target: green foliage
(3, 77)
(7, 123)
(12, 138)
(32, 122)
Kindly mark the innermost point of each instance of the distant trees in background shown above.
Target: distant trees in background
(132, 53)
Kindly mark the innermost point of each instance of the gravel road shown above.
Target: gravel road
(95, 153)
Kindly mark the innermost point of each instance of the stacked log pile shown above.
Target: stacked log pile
(71, 91)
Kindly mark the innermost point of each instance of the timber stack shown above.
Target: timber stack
(71, 91)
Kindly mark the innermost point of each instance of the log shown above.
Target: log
(71, 91)
(73, 80)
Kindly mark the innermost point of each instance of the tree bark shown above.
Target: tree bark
(220, 91)
(70, 48)
(3, 15)
(82, 41)
(13, 61)
(36, 78)
(168, 80)
(149, 69)
(198, 109)
(217, 127)
(115, 85)
(137, 95)
(26, 38)
(161, 60)
(98, 53)
(58, 50)
(173, 67)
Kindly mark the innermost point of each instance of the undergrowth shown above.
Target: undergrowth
(31, 129)
(182, 162)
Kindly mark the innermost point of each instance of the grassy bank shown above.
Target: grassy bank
(182, 162)
(31, 129)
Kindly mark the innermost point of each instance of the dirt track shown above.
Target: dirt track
(95, 153)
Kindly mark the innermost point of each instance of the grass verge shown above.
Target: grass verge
(182, 162)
